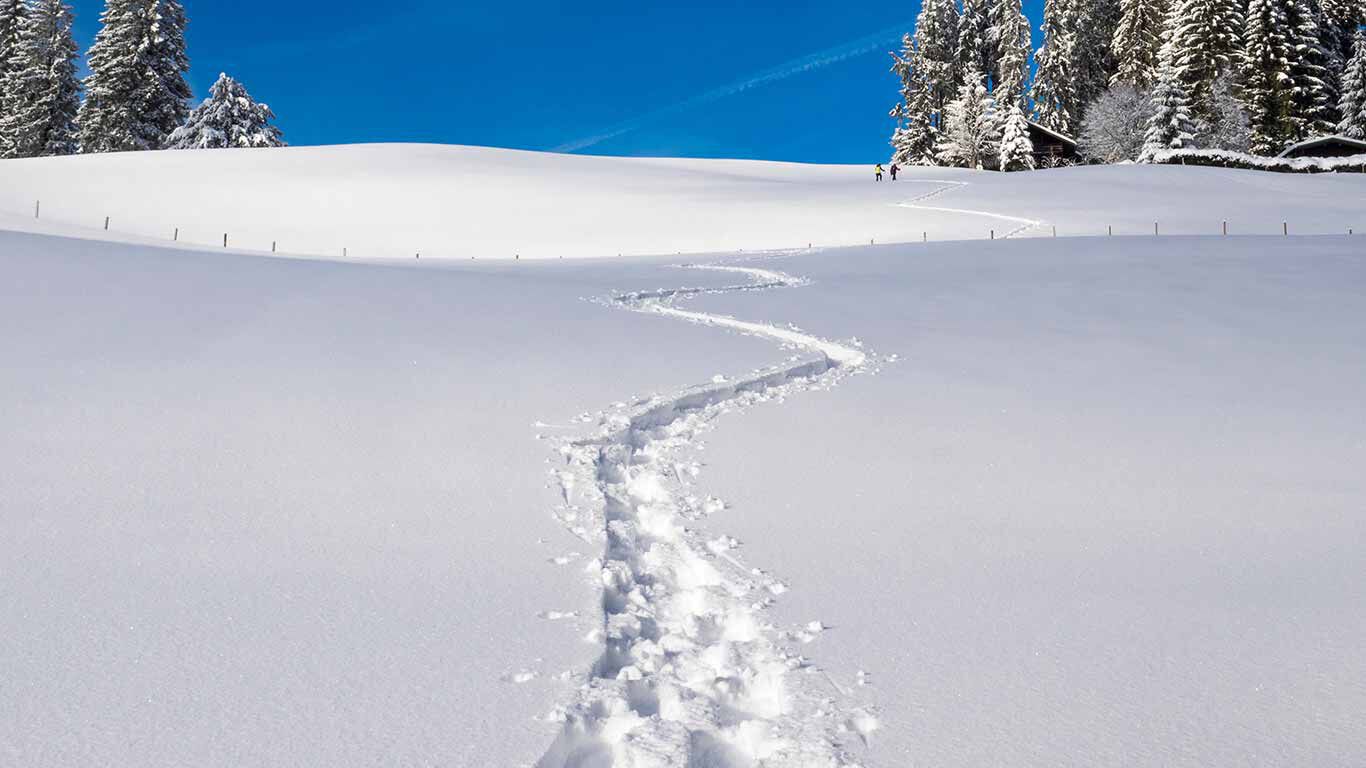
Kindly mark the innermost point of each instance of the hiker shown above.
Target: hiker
(895, 168)
(878, 170)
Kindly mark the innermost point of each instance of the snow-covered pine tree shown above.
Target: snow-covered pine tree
(1012, 37)
(972, 136)
(136, 93)
(976, 49)
(1053, 93)
(1313, 95)
(1207, 38)
(41, 92)
(1266, 80)
(914, 137)
(1341, 18)
(12, 15)
(936, 51)
(1017, 150)
(1353, 102)
(229, 118)
(1171, 125)
(1093, 59)
(1138, 38)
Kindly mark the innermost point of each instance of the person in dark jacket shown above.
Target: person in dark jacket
(895, 168)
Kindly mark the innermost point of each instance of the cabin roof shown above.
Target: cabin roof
(1053, 133)
(1318, 141)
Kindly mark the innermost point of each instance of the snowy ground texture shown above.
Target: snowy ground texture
(1030, 501)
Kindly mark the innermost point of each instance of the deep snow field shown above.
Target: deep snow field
(1031, 501)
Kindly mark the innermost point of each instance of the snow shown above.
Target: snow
(1025, 500)
(1104, 509)
(396, 201)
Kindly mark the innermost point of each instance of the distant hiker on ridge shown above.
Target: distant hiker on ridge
(878, 171)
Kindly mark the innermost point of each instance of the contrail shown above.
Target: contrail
(783, 71)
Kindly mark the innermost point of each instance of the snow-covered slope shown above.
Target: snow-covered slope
(395, 201)
(1075, 501)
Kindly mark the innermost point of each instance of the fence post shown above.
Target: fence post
(343, 252)
(1155, 233)
(924, 237)
(993, 234)
(225, 239)
(106, 223)
(1110, 230)
(1285, 228)
(1226, 229)
(1055, 230)
(37, 208)
(272, 246)
(175, 238)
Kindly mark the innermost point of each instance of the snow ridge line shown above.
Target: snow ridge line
(914, 203)
(691, 675)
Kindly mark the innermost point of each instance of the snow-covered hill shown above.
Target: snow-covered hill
(1012, 502)
(395, 201)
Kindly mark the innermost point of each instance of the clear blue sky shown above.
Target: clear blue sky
(541, 74)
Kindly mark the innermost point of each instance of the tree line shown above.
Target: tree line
(135, 97)
(1128, 78)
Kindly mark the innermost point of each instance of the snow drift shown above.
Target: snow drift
(1083, 500)
(399, 201)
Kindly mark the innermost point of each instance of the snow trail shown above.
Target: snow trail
(1024, 224)
(691, 673)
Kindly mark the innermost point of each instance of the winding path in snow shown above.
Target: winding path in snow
(1022, 224)
(691, 673)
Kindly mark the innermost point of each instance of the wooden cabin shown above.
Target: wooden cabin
(1052, 148)
(1326, 146)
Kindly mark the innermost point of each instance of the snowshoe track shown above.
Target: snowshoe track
(1022, 224)
(691, 673)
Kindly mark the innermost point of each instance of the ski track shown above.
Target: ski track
(691, 673)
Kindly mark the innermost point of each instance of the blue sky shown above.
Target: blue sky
(541, 74)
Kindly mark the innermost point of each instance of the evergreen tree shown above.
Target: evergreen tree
(1353, 103)
(1093, 60)
(914, 137)
(41, 94)
(1138, 38)
(229, 118)
(973, 134)
(1012, 53)
(936, 51)
(12, 15)
(1017, 150)
(136, 93)
(1171, 126)
(1341, 18)
(1313, 96)
(1206, 41)
(1053, 93)
(976, 49)
(1266, 76)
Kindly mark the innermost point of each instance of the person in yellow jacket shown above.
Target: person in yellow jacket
(877, 170)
